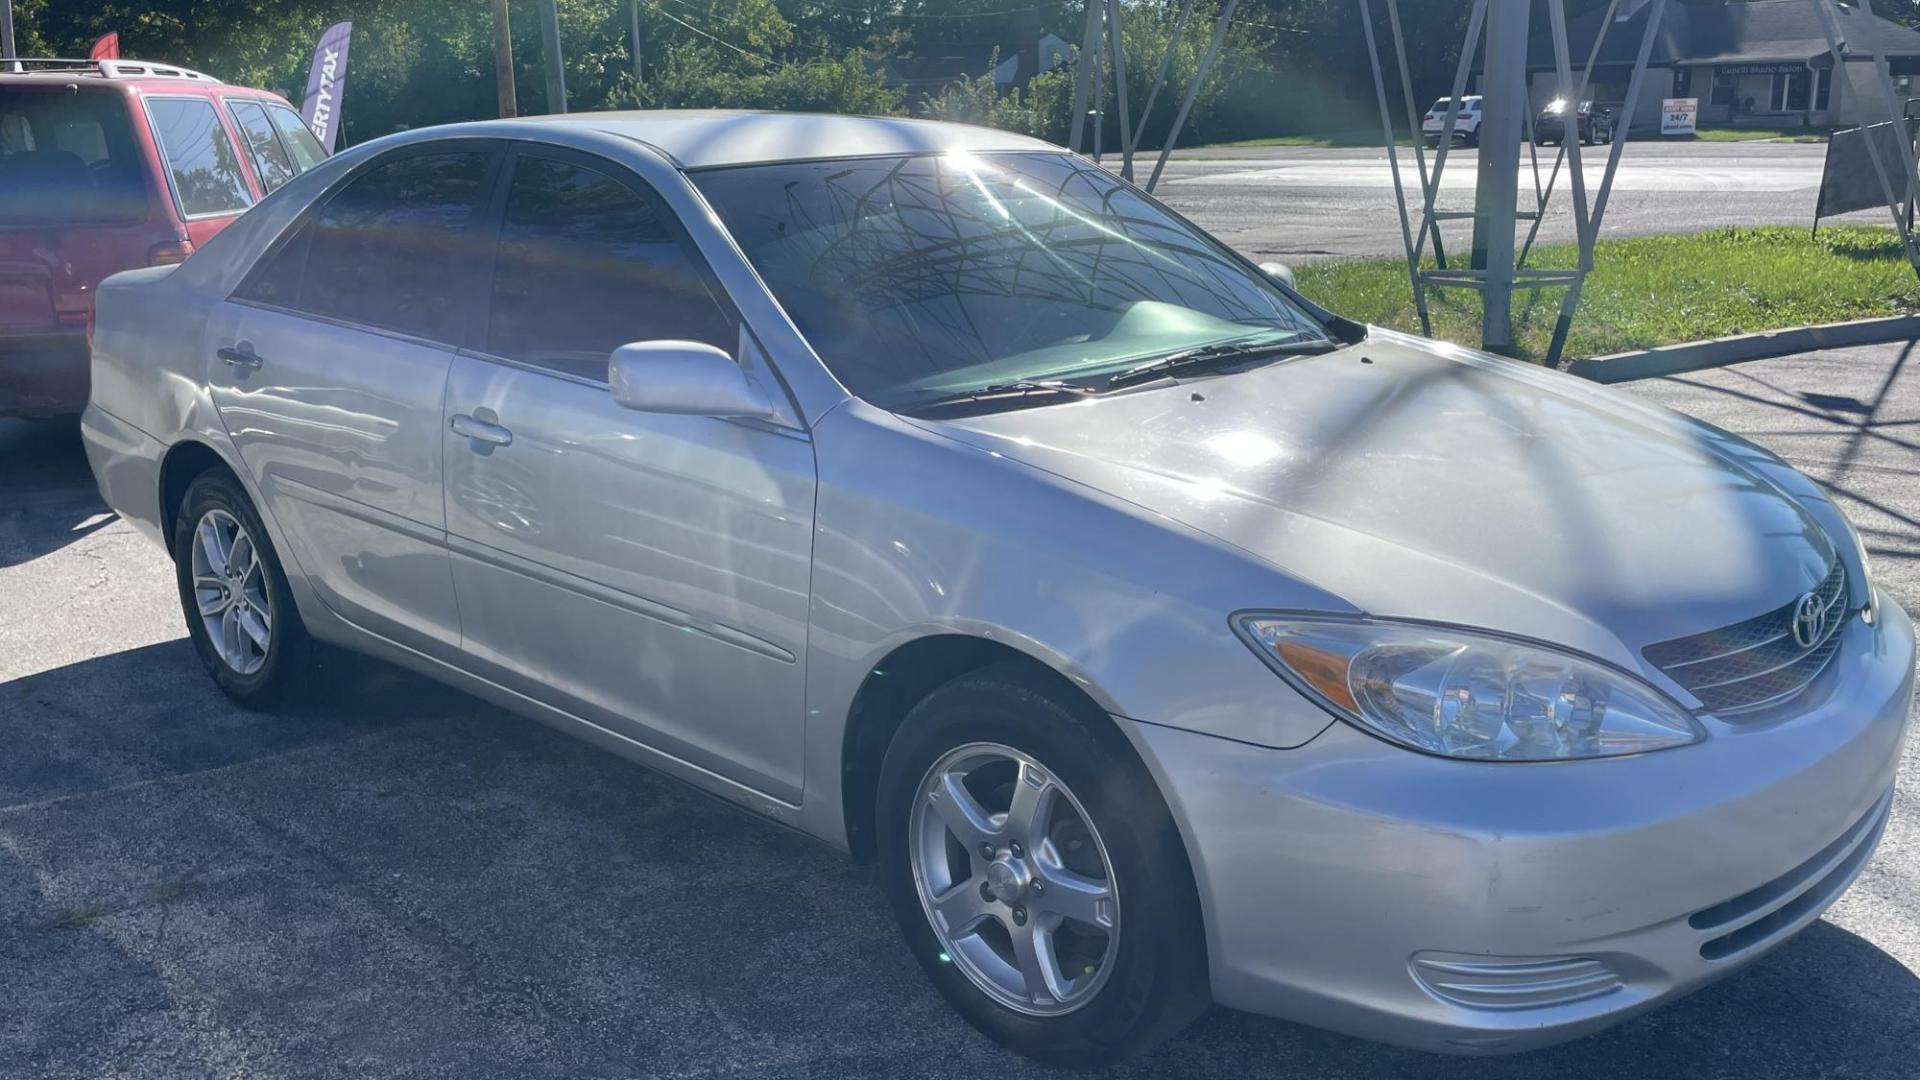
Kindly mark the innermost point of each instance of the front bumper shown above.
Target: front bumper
(1487, 907)
(45, 375)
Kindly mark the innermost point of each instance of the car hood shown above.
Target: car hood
(1420, 480)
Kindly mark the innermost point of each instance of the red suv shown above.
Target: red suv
(109, 165)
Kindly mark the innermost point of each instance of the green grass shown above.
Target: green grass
(1736, 135)
(1799, 135)
(1326, 139)
(1654, 290)
(1372, 137)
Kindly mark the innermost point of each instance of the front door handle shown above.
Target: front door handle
(241, 356)
(481, 431)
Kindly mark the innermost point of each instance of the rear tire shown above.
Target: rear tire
(1092, 824)
(234, 595)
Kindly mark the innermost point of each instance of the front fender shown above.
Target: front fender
(918, 534)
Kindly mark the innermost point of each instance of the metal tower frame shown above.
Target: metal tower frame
(1495, 271)
(1100, 48)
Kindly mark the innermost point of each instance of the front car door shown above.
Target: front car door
(646, 573)
(329, 365)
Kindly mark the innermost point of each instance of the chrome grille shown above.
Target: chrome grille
(1757, 662)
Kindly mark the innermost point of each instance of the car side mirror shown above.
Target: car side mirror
(684, 378)
(1279, 272)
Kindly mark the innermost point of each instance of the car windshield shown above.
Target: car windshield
(917, 278)
(68, 157)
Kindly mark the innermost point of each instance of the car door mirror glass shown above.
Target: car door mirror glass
(1279, 272)
(687, 378)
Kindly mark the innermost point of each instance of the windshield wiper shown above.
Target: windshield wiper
(1222, 354)
(1025, 388)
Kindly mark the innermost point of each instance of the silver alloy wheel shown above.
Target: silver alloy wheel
(1014, 879)
(230, 591)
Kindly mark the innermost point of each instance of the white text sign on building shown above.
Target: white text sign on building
(1678, 115)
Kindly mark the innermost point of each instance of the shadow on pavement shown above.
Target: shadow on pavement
(47, 497)
(404, 881)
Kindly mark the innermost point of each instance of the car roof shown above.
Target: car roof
(141, 74)
(708, 138)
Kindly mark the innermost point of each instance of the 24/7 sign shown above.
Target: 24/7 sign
(1679, 115)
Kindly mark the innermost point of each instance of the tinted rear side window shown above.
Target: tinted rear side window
(205, 167)
(300, 142)
(383, 250)
(587, 264)
(270, 161)
(68, 157)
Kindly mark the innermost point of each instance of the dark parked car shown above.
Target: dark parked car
(106, 166)
(1592, 125)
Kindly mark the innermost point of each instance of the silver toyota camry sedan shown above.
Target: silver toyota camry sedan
(1164, 638)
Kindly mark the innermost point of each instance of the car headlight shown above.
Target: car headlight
(1460, 694)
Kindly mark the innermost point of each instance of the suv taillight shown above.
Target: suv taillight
(168, 252)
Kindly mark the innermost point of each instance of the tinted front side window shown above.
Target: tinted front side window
(919, 277)
(300, 142)
(206, 169)
(384, 251)
(587, 264)
(270, 161)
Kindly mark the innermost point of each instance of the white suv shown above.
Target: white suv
(1466, 127)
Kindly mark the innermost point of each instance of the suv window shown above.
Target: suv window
(587, 264)
(68, 157)
(380, 251)
(271, 163)
(206, 169)
(299, 139)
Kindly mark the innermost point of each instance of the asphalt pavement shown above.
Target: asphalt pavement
(1301, 204)
(400, 881)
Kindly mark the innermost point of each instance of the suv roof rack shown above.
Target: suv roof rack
(111, 69)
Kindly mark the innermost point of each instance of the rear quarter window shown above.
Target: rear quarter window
(69, 157)
(201, 157)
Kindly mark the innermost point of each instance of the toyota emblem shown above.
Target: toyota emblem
(1809, 621)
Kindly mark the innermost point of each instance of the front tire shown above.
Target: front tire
(1036, 872)
(234, 594)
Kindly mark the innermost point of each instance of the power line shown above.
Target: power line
(658, 10)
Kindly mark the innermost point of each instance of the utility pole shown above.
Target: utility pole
(637, 74)
(6, 30)
(503, 60)
(1497, 189)
(550, 41)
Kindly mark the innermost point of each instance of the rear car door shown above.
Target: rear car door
(647, 573)
(328, 366)
(204, 171)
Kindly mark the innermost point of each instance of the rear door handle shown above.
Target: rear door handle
(481, 431)
(241, 356)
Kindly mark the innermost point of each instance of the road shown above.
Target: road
(400, 882)
(1299, 204)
